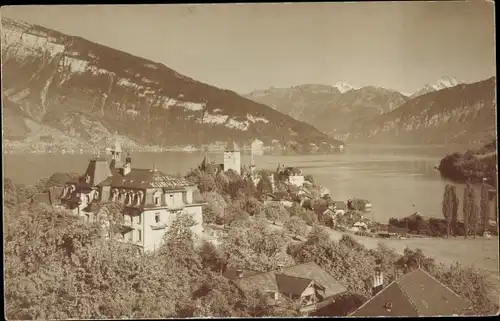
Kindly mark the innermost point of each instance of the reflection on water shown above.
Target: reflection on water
(392, 179)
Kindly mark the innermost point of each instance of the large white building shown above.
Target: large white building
(151, 198)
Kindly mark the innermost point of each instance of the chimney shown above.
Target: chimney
(239, 274)
(378, 277)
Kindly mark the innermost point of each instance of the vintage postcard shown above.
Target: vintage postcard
(250, 160)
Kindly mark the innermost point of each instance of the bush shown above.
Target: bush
(296, 226)
(309, 178)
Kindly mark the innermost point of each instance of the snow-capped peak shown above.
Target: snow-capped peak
(343, 86)
(445, 82)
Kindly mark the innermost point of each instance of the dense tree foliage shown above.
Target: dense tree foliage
(448, 205)
(484, 210)
(471, 165)
(58, 267)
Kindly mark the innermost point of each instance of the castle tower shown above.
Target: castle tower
(232, 158)
(116, 155)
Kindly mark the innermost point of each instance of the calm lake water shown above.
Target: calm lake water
(398, 180)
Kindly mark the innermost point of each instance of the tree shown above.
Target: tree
(264, 185)
(485, 215)
(447, 207)
(210, 215)
(474, 220)
(454, 212)
(296, 226)
(468, 208)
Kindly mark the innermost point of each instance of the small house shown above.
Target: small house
(308, 283)
(415, 294)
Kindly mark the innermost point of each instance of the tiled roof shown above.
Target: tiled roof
(293, 280)
(417, 293)
(401, 306)
(265, 282)
(314, 272)
(291, 284)
(145, 178)
(97, 171)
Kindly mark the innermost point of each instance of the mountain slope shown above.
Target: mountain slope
(329, 108)
(87, 92)
(441, 83)
(460, 114)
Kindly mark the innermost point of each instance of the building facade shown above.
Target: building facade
(150, 198)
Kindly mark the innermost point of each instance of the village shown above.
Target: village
(152, 199)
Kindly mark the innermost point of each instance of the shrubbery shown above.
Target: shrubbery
(464, 167)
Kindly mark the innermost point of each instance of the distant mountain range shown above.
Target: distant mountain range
(442, 83)
(65, 90)
(382, 115)
(332, 109)
(462, 114)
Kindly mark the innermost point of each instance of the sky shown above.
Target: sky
(244, 47)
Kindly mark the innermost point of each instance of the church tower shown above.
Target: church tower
(232, 158)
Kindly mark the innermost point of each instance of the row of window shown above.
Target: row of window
(157, 216)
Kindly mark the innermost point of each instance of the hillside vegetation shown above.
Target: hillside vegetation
(59, 85)
(472, 165)
(461, 114)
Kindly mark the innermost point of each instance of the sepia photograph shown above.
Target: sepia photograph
(250, 160)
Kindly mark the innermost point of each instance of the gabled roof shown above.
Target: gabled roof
(292, 280)
(417, 293)
(97, 171)
(314, 272)
(265, 282)
(144, 178)
(291, 284)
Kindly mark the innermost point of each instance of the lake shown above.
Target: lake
(398, 180)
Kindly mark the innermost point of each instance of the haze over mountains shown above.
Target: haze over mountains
(65, 89)
(444, 111)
